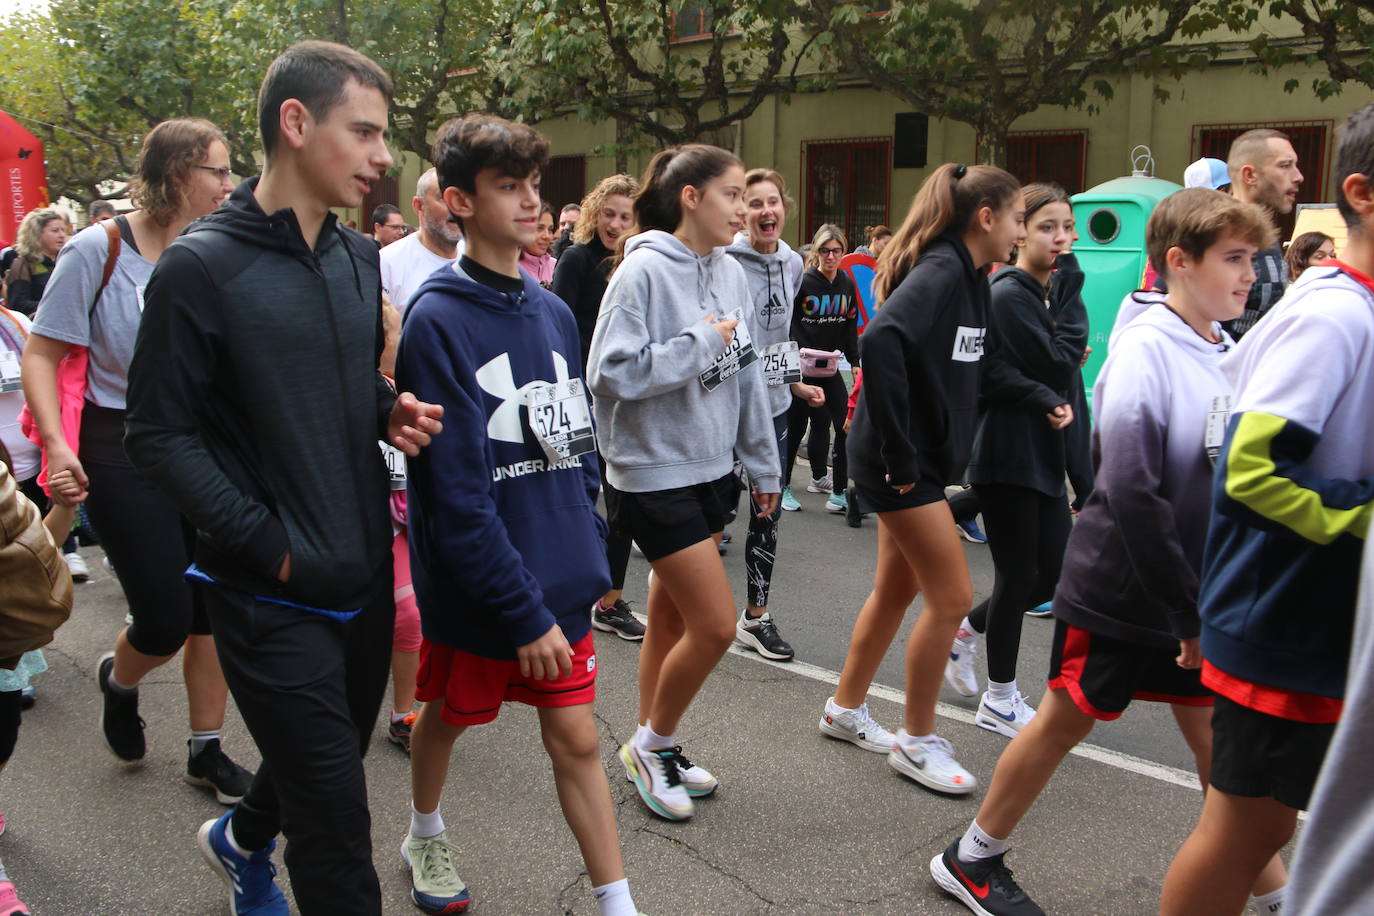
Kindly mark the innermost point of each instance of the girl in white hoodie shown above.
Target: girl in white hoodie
(679, 392)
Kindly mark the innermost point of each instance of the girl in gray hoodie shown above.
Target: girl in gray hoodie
(678, 393)
(773, 270)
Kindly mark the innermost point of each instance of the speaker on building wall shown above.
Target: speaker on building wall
(910, 132)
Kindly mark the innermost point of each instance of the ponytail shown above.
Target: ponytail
(659, 203)
(948, 199)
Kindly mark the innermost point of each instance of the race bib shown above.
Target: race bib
(395, 465)
(739, 354)
(561, 419)
(1217, 417)
(782, 363)
(9, 372)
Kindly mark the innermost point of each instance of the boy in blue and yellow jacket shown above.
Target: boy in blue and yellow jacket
(1293, 494)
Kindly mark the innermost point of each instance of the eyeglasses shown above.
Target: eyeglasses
(830, 252)
(222, 172)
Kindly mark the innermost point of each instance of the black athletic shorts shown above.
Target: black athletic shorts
(1256, 755)
(885, 499)
(1103, 675)
(662, 522)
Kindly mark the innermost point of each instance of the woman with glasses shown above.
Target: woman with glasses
(95, 301)
(825, 325)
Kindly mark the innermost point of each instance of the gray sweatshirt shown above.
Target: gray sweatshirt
(657, 424)
(772, 287)
(1330, 872)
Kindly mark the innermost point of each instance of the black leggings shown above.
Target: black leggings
(148, 542)
(761, 545)
(617, 543)
(1027, 532)
(818, 450)
(10, 703)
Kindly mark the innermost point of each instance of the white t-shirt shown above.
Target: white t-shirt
(405, 265)
(23, 453)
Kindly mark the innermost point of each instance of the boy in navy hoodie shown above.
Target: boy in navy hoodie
(507, 549)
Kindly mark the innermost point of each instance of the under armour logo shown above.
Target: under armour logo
(497, 380)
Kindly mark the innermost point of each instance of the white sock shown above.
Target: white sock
(202, 738)
(398, 716)
(1271, 902)
(649, 740)
(233, 843)
(831, 704)
(1002, 693)
(118, 687)
(614, 899)
(911, 741)
(965, 631)
(977, 844)
(425, 825)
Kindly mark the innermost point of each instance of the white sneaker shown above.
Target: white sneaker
(698, 781)
(856, 726)
(932, 764)
(959, 669)
(1005, 719)
(820, 485)
(658, 780)
(77, 567)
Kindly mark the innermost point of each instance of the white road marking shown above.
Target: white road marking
(1137, 765)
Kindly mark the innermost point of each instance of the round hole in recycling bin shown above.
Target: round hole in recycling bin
(1104, 226)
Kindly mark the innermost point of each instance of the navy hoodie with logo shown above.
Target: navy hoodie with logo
(503, 545)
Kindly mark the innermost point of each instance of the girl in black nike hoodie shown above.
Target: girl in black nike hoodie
(910, 437)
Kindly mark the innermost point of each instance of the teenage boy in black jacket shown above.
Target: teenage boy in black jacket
(255, 402)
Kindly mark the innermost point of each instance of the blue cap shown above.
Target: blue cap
(1207, 173)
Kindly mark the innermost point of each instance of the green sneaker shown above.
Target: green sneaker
(837, 502)
(435, 885)
(789, 502)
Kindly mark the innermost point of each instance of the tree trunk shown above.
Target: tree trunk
(622, 144)
(992, 139)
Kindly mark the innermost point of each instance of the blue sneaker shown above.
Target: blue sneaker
(789, 502)
(252, 882)
(972, 532)
(1042, 610)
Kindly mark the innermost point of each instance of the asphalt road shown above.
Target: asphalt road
(800, 825)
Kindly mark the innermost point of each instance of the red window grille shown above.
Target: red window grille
(1058, 156)
(1311, 141)
(847, 183)
(563, 181)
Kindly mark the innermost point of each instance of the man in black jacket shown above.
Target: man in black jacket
(255, 402)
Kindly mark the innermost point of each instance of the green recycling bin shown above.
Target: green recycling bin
(1110, 220)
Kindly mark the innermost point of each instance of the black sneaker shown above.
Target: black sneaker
(119, 718)
(617, 619)
(852, 516)
(212, 769)
(985, 886)
(398, 732)
(761, 635)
